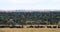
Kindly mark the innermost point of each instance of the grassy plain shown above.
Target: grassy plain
(29, 29)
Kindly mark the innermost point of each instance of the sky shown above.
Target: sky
(29, 4)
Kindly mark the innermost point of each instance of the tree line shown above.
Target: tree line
(30, 17)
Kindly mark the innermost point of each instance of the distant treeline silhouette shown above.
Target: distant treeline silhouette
(29, 18)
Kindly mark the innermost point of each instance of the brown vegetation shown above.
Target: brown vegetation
(29, 29)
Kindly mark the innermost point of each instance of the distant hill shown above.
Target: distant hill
(29, 10)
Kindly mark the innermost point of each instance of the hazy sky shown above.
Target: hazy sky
(29, 4)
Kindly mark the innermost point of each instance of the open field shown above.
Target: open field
(29, 29)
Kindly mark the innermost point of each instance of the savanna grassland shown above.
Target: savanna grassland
(29, 30)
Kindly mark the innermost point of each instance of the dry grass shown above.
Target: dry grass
(29, 30)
